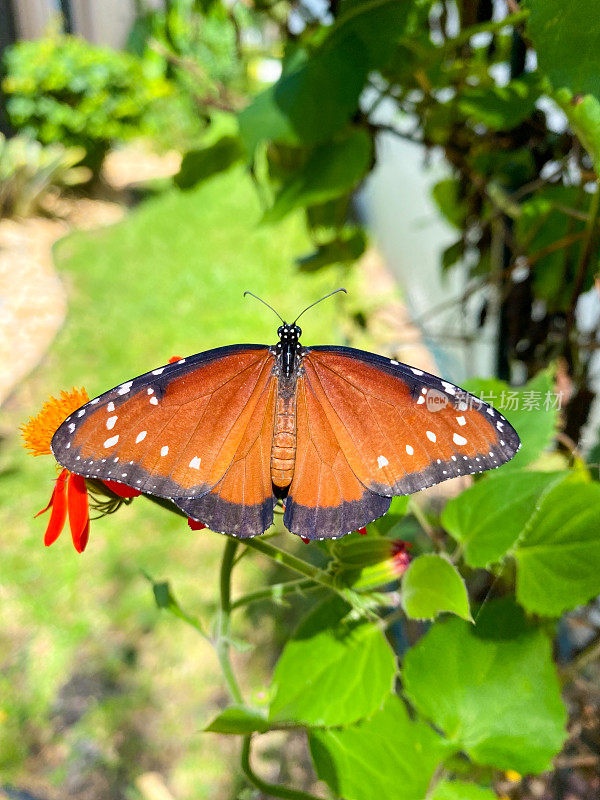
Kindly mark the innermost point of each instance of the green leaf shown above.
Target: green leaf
(238, 720)
(344, 249)
(558, 557)
(567, 40)
(501, 107)
(446, 194)
(263, 121)
(583, 114)
(453, 253)
(331, 170)
(164, 599)
(198, 165)
(488, 518)
(432, 585)
(497, 698)
(532, 410)
(332, 672)
(314, 100)
(461, 790)
(540, 224)
(389, 756)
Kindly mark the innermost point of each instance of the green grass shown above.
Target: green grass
(167, 280)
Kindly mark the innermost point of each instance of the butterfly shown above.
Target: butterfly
(332, 432)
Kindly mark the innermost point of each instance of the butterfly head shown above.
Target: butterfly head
(289, 334)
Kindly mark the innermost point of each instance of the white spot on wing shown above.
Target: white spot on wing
(153, 401)
(392, 361)
(112, 441)
(158, 371)
(448, 387)
(110, 406)
(140, 437)
(458, 439)
(150, 390)
(416, 371)
(195, 462)
(430, 435)
(125, 387)
(421, 400)
(409, 450)
(110, 422)
(461, 420)
(164, 450)
(72, 427)
(94, 401)
(81, 413)
(382, 461)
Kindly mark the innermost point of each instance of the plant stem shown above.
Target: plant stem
(586, 250)
(421, 517)
(222, 643)
(277, 590)
(292, 562)
(272, 789)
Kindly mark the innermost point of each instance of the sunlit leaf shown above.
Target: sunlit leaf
(488, 518)
(331, 170)
(388, 757)
(492, 689)
(238, 720)
(460, 790)
(558, 557)
(432, 585)
(332, 672)
(315, 98)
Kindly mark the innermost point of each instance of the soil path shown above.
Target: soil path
(33, 301)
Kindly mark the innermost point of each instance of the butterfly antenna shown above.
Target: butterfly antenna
(318, 301)
(264, 304)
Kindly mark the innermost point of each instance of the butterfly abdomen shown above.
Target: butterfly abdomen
(283, 452)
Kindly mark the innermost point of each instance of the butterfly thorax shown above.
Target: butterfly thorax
(288, 355)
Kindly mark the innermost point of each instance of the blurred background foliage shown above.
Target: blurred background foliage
(278, 111)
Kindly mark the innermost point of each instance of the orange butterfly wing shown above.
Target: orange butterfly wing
(403, 429)
(174, 431)
(241, 504)
(389, 429)
(326, 499)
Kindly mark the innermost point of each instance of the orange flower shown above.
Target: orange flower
(39, 430)
(69, 496)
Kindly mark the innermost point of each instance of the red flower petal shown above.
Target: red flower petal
(306, 541)
(121, 489)
(79, 515)
(172, 360)
(362, 531)
(58, 501)
(195, 525)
